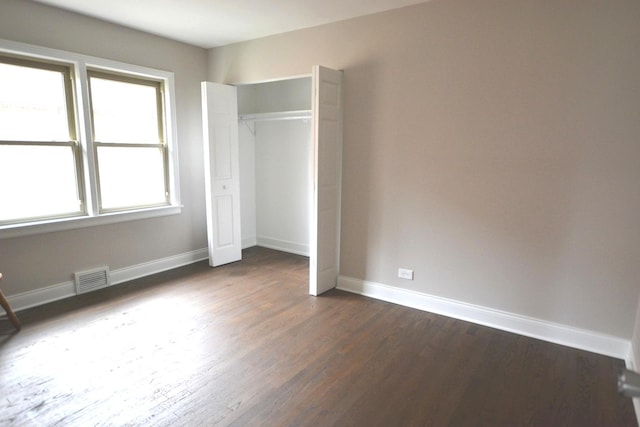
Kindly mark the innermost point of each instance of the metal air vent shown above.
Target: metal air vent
(91, 280)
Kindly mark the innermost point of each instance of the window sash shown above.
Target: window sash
(79, 187)
(166, 199)
(160, 143)
(65, 71)
(72, 142)
(117, 77)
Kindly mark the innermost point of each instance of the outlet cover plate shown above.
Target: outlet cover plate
(405, 273)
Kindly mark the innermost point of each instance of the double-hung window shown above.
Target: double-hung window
(128, 138)
(40, 174)
(83, 141)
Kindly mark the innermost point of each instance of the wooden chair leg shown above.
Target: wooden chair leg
(5, 305)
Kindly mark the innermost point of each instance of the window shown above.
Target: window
(129, 141)
(83, 141)
(39, 162)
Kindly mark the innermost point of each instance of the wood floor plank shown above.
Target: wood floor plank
(244, 344)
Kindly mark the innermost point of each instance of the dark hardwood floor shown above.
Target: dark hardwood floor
(245, 345)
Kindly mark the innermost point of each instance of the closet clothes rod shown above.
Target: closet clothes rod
(281, 115)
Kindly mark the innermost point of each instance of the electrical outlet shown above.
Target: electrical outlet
(405, 273)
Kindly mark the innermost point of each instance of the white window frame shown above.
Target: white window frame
(79, 65)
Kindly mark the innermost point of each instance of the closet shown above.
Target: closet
(273, 163)
(275, 156)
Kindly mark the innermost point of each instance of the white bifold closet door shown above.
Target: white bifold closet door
(326, 112)
(222, 167)
(222, 164)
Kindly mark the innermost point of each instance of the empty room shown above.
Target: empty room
(310, 213)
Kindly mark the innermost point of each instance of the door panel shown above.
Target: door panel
(222, 182)
(222, 153)
(325, 224)
(224, 212)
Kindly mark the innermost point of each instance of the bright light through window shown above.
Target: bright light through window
(37, 181)
(131, 176)
(128, 136)
(83, 141)
(33, 104)
(124, 112)
(38, 169)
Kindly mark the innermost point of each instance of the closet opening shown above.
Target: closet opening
(276, 164)
(273, 170)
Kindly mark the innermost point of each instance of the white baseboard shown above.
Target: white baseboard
(582, 339)
(632, 363)
(41, 296)
(67, 289)
(249, 242)
(156, 266)
(283, 245)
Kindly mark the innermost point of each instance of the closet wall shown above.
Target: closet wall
(275, 164)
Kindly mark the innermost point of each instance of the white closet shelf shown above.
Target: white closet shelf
(280, 115)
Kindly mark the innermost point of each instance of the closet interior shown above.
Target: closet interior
(276, 159)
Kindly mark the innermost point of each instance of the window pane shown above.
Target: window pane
(124, 112)
(32, 104)
(131, 176)
(37, 181)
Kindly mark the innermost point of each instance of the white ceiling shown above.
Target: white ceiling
(210, 23)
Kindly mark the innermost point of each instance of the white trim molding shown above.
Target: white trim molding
(283, 245)
(67, 289)
(249, 242)
(156, 266)
(632, 364)
(582, 339)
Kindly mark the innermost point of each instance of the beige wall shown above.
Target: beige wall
(34, 262)
(492, 146)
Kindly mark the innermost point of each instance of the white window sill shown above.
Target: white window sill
(48, 226)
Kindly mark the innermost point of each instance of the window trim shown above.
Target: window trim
(80, 65)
